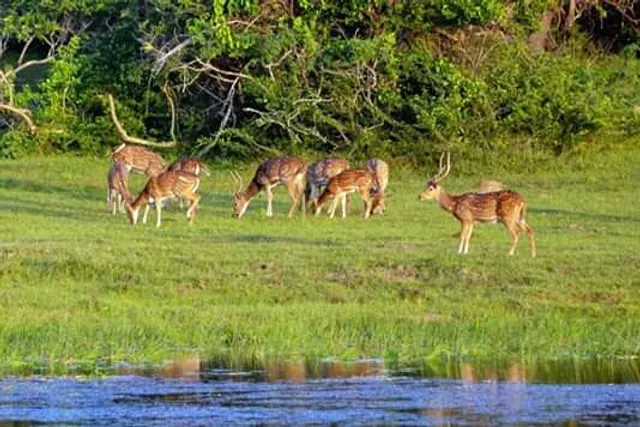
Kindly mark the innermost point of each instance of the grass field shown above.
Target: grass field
(80, 286)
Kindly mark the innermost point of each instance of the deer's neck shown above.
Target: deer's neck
(447, 201)
(140, 201)
(251, 191)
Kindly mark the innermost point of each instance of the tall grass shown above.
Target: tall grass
(78, 285)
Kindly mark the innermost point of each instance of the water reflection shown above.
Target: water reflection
(194, 368)
(301, 391)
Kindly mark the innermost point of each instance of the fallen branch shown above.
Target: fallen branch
(132, 139)
(21, 113)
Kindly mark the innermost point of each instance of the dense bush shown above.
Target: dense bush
(252, 78)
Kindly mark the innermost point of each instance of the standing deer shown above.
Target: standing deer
(167, 185)
(117, 188)
(139, 159)
(288, 170)
(503, 206)
(189, 165)
(350, 181)
(319, 174)
(380, 171)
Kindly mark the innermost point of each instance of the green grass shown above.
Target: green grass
(78, 285)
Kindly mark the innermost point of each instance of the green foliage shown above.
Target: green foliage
(354, 77)
(16, 144)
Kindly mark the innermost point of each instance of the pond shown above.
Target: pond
(366, 392)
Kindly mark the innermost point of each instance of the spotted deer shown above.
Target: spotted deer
(504, 206)
(117, 188)
(139, 159)
(189, 165)
(319, 174)
(287, 170)
(380, 171)
(167, 185)
(350, 181)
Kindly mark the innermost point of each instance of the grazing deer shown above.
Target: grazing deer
(350, 181)
(117, 188)
(503, 206)
(167, 185)
(380, 171)
(319, 174)
(139, 159)
(288, 170)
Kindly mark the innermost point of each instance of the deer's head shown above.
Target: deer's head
(378, 206)
(132, 213)
(240, 201)
(433, 188)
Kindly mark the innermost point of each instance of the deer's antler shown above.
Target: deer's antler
(443, 171)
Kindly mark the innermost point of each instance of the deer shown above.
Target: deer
(319, 174)
(504, 206)
(190, 165)
(117, 188)
(350, 181)
(139, 159)
(290, 171)
(167, 185)
(380, 171)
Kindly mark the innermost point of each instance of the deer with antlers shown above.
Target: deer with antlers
(117, 188)
(319, 174)
(287, 170)
(167, 185)
(504, 206)
(380, 170)
(350, 181)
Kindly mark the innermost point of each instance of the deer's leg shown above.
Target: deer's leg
(292, 189)
(467, 238)
(158, 212)
(368, 201)
(191, 212)
(334, 205)
(530, 236)
(114, 204)
(513, 228)
(463, 234)
(343, 201)
(302, 185)
(269, 193)
(146, 212)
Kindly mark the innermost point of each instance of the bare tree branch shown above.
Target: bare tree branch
(132, 139)
(210, 67)
(25, 48)
(31, 64)
(229, 104)
(22, 114)
(172, 130)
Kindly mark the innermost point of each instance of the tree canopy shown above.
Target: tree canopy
(244, 78)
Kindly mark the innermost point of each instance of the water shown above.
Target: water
(192, 392)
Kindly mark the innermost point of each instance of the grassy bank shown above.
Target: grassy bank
(77, 284)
